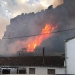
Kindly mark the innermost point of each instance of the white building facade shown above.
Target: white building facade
(70, 56)
(35, 70)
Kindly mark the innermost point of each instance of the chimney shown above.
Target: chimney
(43, 56)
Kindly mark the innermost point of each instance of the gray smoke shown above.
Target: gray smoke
(31, 24)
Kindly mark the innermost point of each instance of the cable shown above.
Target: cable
(40, 34)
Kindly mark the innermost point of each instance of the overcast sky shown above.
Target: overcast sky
(11, 8)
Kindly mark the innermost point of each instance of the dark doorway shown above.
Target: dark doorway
(22, 71)
(6, 71)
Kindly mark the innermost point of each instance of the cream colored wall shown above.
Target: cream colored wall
(39, 70)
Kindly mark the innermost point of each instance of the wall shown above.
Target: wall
(43, 70)
(70, 56)
(38, 70)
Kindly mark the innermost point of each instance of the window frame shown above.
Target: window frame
(31, 68)
(50, 69)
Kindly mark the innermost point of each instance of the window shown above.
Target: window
(22, 71)
(6, 71)
(51, 71)
(31, 70)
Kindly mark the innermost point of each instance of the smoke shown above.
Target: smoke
(3, 23)
(32, 23)
(12, 8)
(57, 2)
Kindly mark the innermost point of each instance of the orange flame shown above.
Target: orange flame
(38, 39)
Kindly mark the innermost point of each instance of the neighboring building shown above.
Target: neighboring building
(70, 55)
(32, 65)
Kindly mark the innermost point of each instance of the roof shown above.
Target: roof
(69, 39)
(53, 61)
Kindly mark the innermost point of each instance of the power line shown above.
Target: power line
(40, 34)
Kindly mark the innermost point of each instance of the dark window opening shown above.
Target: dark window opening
(22, 71)
(51, 71)
(31, 70)
(6, 71)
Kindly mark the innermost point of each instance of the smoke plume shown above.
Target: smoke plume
(32, 23)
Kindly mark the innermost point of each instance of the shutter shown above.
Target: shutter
(51, 71)
(31, 70)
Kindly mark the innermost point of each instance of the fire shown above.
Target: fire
(38, 39)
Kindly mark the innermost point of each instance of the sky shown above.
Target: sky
(11, 8)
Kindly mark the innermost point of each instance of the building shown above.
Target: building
(70, 55)
(32, 65)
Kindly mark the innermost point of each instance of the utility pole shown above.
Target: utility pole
(43, 56)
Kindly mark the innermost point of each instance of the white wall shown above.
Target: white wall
(43, 70)
(38, 70)
(70, 56)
